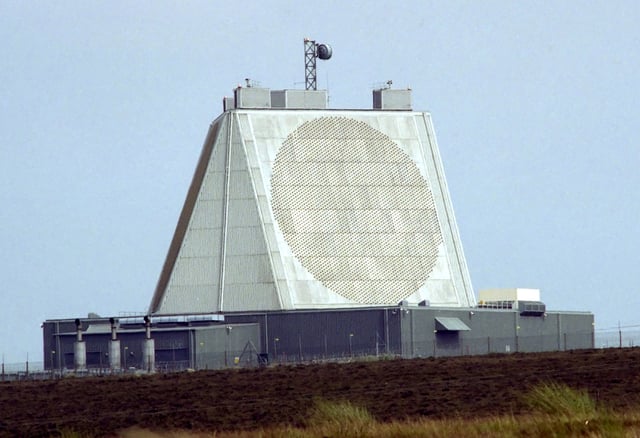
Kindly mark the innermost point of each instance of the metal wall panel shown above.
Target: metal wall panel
(226, 346)
(249, 281)
(293, 336)
(196, 262)
(493, 331)
(202, 298)
(209, 150)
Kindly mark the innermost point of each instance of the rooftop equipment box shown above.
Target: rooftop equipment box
(228, 103)
(388, 99)
(509, 294)
(252, 97)
(299, 99)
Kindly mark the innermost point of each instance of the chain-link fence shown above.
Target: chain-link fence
(617, 337)
(444, 345)
(176, 358)
(22, 371)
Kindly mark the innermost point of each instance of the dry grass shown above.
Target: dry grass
(533, 426)
(557, 411)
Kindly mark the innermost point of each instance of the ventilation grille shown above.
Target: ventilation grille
(355, 210)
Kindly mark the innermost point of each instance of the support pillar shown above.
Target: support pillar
(114, 348)
(79, 350)
(148, 348)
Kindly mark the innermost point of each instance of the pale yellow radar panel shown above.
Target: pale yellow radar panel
(355, 210)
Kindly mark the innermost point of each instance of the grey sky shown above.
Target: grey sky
(104, 107)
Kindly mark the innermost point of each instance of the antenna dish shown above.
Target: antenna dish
(313, 50)
(324, 51)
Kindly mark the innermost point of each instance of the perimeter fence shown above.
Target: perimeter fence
(618, 337)
(354, 350)
(444, 345)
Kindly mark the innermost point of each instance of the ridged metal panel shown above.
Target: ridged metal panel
(327, 333)
(211, 188)
(185, 216)
(248, 269)
(250, 297)
(246, 241)
(190, 298)
(194, 271)
(197, 244)
(207, 216)
(248, 281)
(194, 279)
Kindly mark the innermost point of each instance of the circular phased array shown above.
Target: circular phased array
(355, 210)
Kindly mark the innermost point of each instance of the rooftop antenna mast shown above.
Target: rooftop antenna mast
(312, 51)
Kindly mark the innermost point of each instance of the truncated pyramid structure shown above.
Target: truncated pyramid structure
(301, 207)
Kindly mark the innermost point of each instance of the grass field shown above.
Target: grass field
(556, 410)
(580, 393)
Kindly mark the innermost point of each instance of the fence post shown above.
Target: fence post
(620, 334)
(325, 347)
(488, 344)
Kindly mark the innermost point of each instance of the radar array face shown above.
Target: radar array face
(355, 210)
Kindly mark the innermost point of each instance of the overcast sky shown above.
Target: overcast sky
(104, 107)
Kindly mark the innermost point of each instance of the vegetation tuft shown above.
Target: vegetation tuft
(564, 411)
(340, 418)
(560, 400)
(557, 410)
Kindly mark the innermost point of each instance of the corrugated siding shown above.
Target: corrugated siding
(194, 283)
(329, 333)
(248, 281)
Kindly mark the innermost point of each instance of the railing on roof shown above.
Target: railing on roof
(496, 304)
